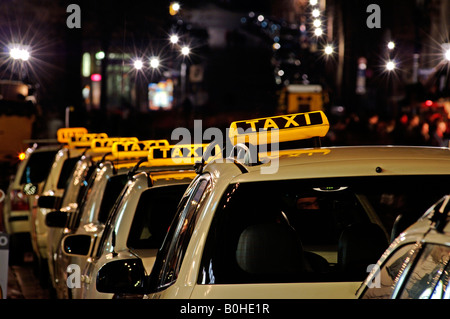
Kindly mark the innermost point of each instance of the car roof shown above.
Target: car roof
(47, 148)
(343, 161)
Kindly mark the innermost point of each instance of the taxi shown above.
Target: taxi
(290, 223)
(104, 187)
(416, 264)
(74, 193)
(29, 178)
(138, 223)
(75, 142)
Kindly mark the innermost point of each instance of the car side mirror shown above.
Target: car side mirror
(56, 219)
(49, 202)
(122, 276)
(78, 245)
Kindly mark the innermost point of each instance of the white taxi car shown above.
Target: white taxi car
(30, 174)
(75, 142)
(416, 265)
(137, 225)
(105, 185)
(307, 229)
(57, 220)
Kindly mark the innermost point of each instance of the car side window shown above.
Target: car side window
(382, 282)
(154, 212)
(180, 232)
(38, 167)
(429, 277)
(66, 171)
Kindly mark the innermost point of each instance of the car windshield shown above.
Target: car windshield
(329, 229)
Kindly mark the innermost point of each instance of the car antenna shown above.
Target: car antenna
(104, 157)
(441, 218)
(135, 168)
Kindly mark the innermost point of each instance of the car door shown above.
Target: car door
(164, 279)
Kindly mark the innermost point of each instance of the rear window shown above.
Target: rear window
(323, 230)
(154, 213)
(38, 167)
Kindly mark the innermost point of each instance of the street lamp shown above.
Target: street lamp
(328, 49)
(138, 64)
(318, 32)
(154, 62)
(174, 39)
(391, 45)
(390, 66)
(447, 55)
(19, 54)
(317, 23)
(185, 50)
(316, 13)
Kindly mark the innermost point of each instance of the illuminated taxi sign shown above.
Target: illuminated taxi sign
(289, 127)
(180, 154)
(85, 140)
(133, 149)
(64, 134)
(106, 144)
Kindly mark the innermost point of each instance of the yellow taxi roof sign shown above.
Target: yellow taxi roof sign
(63, 134)
(85, 140)
(181, 154)
(106, 144)
(133, 149)
(290, 127)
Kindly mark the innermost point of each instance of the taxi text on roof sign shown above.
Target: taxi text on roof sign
(181, 154)
(63, 134)
(131, 149)
(106, 144)
(85, 140)
(281, 128)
